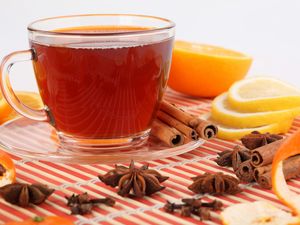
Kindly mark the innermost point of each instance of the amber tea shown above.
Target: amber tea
(99, 91)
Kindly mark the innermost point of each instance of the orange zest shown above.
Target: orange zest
(290, 147)
(205, 70)
(48, 220)
(8, 174)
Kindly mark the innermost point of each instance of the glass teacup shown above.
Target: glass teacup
(101, 77)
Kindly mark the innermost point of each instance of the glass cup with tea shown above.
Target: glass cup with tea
(101, 77)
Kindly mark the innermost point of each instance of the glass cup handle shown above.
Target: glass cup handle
(7, 91)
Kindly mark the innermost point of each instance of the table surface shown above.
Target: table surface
(266, 30)
(69, 178)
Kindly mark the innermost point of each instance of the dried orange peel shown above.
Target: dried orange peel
(8, 174)
(48, 220)
(290, 147)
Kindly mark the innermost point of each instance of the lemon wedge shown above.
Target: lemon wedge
(224, 114)
(260, 94)
(256, 213)
(231, 133)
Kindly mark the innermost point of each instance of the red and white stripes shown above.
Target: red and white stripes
(68, 179)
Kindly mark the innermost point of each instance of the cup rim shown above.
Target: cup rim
(170, 25)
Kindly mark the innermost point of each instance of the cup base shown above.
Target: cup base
(78, 144)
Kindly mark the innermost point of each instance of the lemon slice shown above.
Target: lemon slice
(230, 133)
(256, 213)
(224, 114)
(260, 94)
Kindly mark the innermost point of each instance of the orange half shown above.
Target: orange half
(205, 70)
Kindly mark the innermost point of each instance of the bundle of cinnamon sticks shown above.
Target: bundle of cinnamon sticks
(175, 127)
(258, 167)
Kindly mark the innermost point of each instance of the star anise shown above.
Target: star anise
(233, 157)
(256, 139)
(82, 204)
(133, 181)
(194, 206)
(2, 170)
(217, 184)
(24, 194)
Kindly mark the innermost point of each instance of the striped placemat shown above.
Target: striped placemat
(69, 178)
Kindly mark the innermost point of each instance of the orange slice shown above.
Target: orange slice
(289, 148)
(256, 213)
(30, 99)
(8, 175)
(205, 70)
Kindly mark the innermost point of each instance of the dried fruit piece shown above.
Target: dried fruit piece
(256, 213)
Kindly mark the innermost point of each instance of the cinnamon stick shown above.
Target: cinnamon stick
(291, 169)
(259, 171)
(205, 129)
(177, 113)
(171, 121)
(186, 139)
(245, 171)
(167, 134)
(264, 155)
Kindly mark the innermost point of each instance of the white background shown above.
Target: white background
(268, 30)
